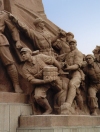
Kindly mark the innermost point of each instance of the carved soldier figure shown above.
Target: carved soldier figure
(92, 72)
(41, 38)
(5, 55)
(69, 36)
(96, 53)
(33, 70)
(62, 45)
(73, 62)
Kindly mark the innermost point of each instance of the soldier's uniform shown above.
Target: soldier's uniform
(35, 70)
(41, 39)
(62, 46)
(5, 55)
(75, 76)
(93, 77)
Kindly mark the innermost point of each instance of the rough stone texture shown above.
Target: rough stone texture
(58, 120)
(30, 10)
(7, 97)
(11, 107)
(23, 10)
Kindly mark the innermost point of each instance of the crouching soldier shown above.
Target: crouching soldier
(38, 70)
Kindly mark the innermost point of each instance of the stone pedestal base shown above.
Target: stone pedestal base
(59, 123)
(9, 115)
(12, 106)
(61, 129)
(8, 97)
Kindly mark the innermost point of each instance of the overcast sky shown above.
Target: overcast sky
(81, 17)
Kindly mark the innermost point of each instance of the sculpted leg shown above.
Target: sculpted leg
(71, 94)
(92, 101)
(43, 102)
(73, 85)
(12, 72)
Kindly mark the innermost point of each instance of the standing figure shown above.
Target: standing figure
(42, 71)
(69, 36)
(41, 38)
(73, 62)
(5, 55)
(92, 72)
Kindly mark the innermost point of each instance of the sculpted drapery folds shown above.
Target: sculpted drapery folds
(5, 55)
(92, 72)
(41, 37)
(33, 70)
(73, 63)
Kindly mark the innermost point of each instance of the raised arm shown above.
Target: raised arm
(22, 26)
(14, 32)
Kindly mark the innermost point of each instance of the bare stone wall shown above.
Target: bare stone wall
(33, 5)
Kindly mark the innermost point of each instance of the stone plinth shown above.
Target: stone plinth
(8, 97)
(60, 129)
(10, 113)
(12, 106)
(58, 121)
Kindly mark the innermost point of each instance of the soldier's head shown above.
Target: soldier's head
(89, 58)
(39, 22)
(72, 44)
(69, 36)
(26, 54)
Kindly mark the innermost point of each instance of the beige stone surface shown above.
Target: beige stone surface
(4, 117)
(8, 97)
(58, 120)
(63, 129)
(9, 115)
(14, 115)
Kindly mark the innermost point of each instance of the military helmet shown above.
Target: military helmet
(70, 33)
(25, 49)
(72, 40)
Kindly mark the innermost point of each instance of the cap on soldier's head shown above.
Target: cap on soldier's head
(89, 55)
(25, 49)
(37, 20)
(69, 33)
(72, 40)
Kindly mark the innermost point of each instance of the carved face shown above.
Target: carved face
(72, 46)
(26, 55)
(69, 37)
(89, 59)
(41, 25)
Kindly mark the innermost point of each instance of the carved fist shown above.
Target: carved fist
(48, 80)
(18, 45)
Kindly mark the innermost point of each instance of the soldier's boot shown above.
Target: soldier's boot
(93, 105)
(43, 102)
(94, 112)
(13, 74)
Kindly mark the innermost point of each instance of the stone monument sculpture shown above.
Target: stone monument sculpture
(92, 71)
(5, 54)
(46, 73)
(43, 41)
